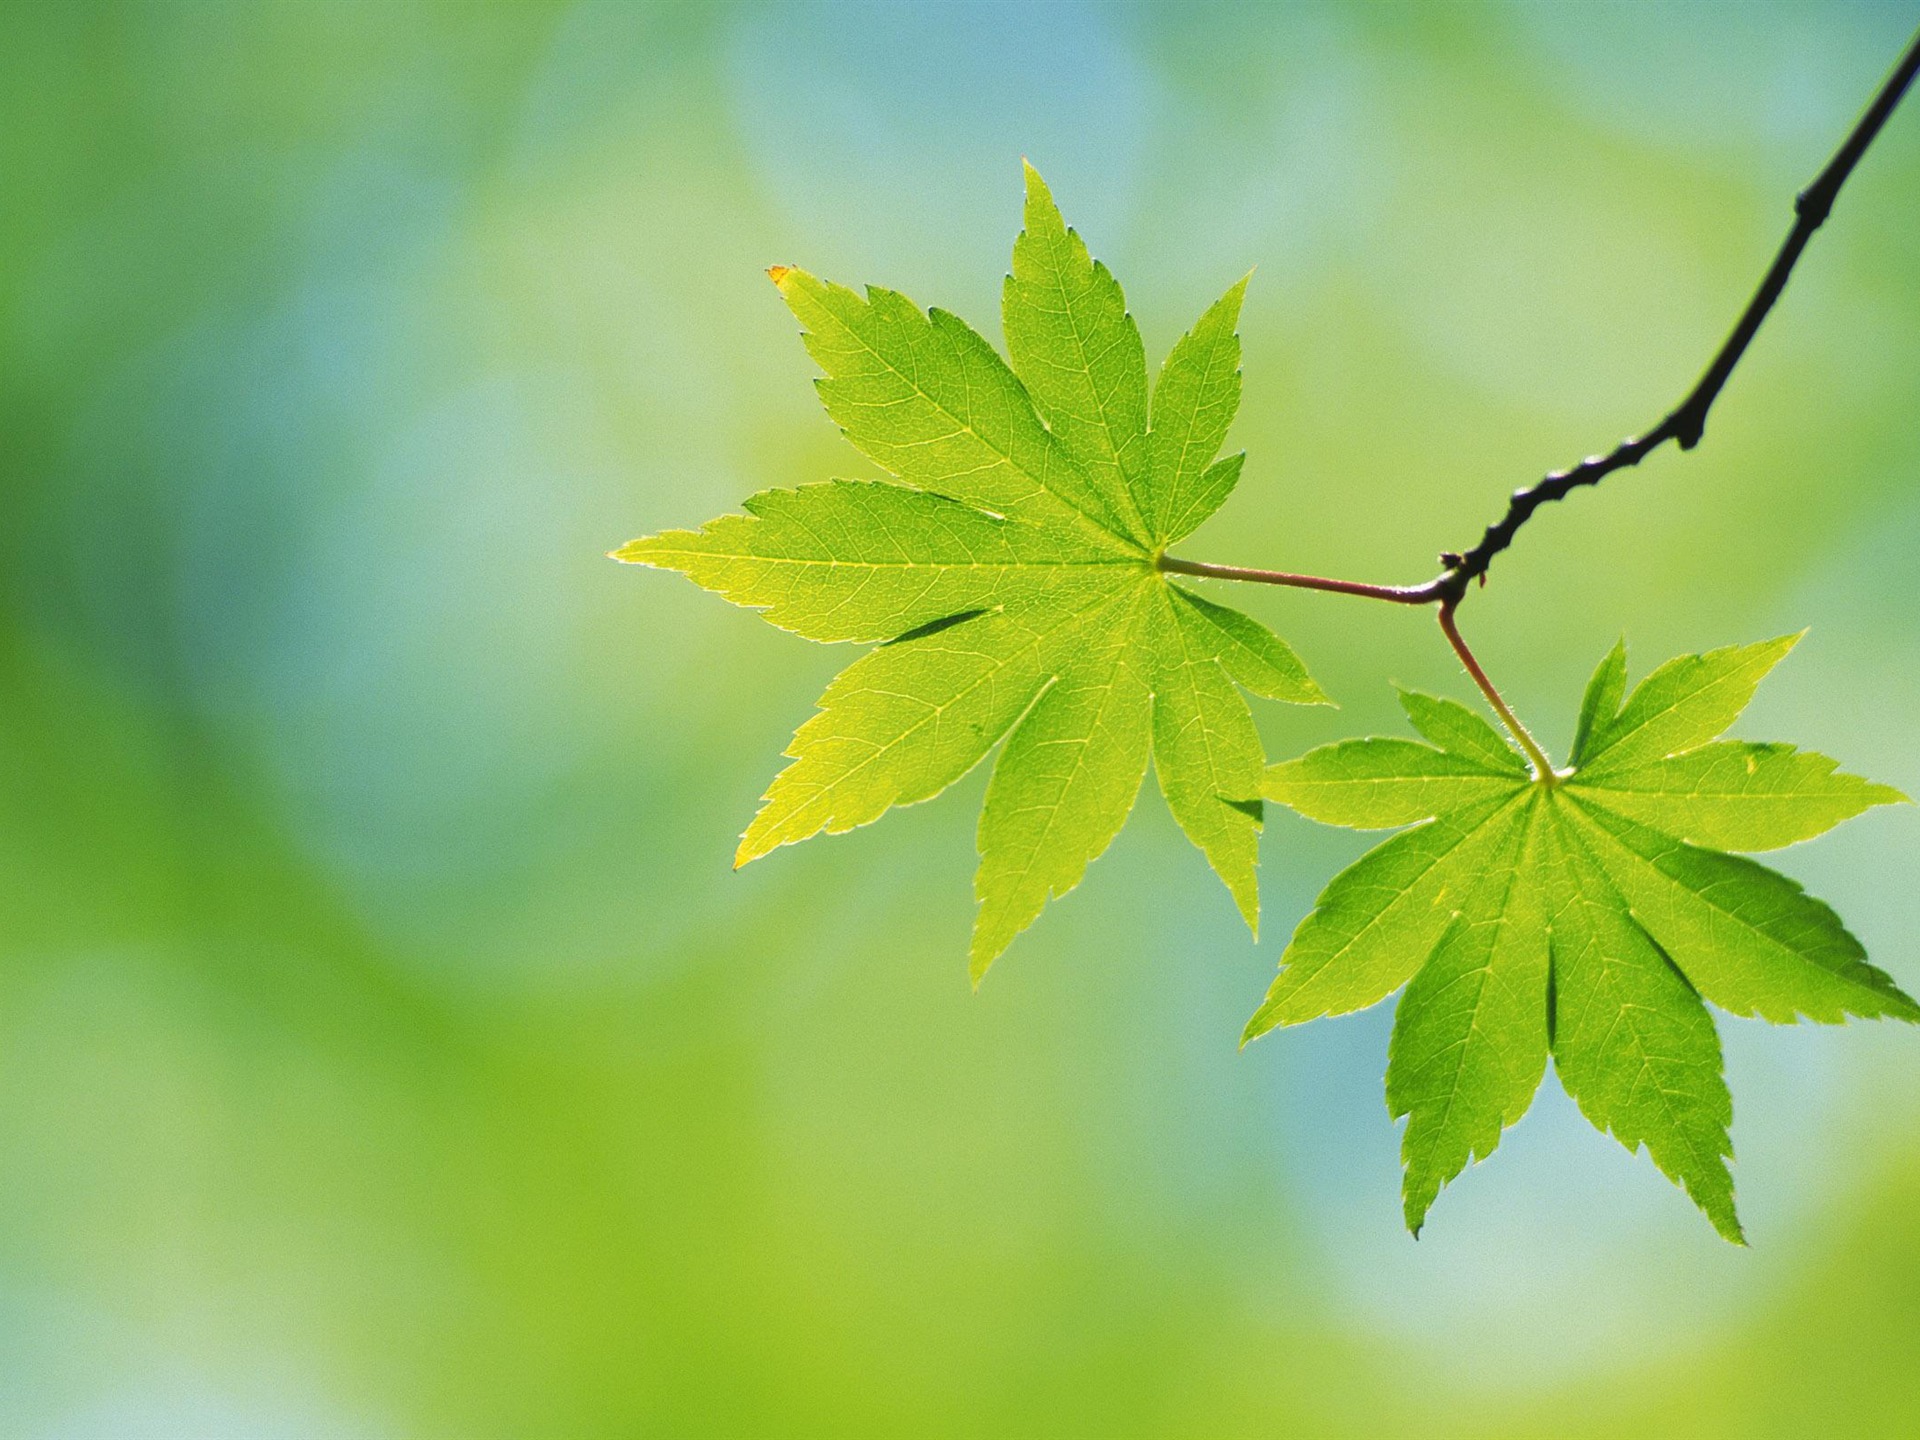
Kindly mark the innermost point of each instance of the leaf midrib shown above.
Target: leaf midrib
(1106, 425)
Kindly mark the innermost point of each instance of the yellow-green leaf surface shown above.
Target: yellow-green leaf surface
(1586, 916)
(1008, 572)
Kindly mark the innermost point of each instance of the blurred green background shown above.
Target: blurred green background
(387, 1050)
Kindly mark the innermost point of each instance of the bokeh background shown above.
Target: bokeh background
(386, 1048)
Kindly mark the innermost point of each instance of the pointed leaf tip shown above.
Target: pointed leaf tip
(639, 551)
(778, 274)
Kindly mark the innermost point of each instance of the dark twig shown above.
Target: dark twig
(1689, 419)
(1685, 423)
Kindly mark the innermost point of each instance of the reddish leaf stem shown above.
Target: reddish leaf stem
(1543, 770)
(1403, 594)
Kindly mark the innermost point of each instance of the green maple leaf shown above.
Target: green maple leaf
(1010, 572)
(1585, 917)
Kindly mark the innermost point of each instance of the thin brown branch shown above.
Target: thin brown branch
(1685, 423)
(1688, 420)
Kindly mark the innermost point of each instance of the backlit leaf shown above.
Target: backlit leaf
(1584, 915)
(1009, 571)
